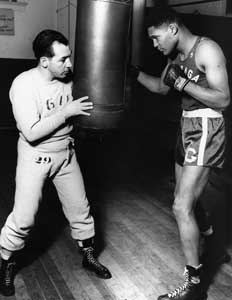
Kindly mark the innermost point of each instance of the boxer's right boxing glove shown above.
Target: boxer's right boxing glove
(175, 77)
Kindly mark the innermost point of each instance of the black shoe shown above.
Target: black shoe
(189, 290)
(7, 273)
(92, 264)
(214, 260)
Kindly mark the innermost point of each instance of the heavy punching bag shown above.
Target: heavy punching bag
(100, 60)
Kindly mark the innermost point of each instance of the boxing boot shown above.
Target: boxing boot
(90, 261)
(7, 273)
(190, 289)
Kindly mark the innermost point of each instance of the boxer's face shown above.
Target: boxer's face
(59, 65)
(163, 37)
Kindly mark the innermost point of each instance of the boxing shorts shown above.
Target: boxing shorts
(201, 138)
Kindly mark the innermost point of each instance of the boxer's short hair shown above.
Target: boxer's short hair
(158, 16)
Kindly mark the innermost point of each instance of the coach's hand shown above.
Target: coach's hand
(78, 107)
(175, 77)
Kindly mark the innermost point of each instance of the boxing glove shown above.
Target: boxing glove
(175, 77)
(134, 72)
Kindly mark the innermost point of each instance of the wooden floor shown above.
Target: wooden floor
(129, 181)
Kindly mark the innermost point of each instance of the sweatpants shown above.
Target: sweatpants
(34, 167)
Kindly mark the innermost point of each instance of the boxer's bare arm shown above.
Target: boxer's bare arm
(154, 84)
(210, 60)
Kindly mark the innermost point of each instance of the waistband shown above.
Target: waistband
(57, 146)
(203, 112)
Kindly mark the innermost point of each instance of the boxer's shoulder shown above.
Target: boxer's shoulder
(208, 51)
(207, 45)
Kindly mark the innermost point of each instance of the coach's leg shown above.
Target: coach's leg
(29, 182)
(71, 191)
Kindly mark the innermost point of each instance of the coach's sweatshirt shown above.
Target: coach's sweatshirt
(37, 107)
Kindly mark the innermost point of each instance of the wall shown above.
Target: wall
(16, 53)
(29, 20)
(210, 7)
(214, 8)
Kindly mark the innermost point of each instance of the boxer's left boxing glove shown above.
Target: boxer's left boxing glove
(175, 77)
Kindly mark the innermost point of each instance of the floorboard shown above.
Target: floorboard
(129, 182)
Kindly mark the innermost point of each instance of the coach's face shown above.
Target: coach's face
(164, 37)
(60, 64)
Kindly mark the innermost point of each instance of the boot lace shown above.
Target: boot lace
(9, 273)
(181, 288)
(89, 254)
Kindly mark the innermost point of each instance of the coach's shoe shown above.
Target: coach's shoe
(7, 273)
(90, 261)
(190, 289)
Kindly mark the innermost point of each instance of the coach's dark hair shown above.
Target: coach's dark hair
(42, 44)
(159, 15)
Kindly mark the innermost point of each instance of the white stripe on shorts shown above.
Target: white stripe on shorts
(203, 112)
(202, 146)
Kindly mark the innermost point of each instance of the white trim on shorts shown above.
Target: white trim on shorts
(202, 112)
